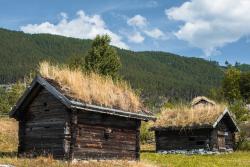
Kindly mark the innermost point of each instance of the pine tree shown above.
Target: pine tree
(102, 58)
(231, 85)
(245, 86)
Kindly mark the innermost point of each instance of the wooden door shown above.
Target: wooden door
(221, 140)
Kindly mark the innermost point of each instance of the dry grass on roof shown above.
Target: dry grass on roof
(184, 116)
(199, 98)
(92, 88)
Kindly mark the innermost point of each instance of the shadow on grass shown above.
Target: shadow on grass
(8, 154)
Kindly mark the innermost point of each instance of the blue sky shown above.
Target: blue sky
(217, 30)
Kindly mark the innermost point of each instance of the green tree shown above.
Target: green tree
(76, 62)
(9, 97)
(146, 135)
(231, 86)
(240, 111)
(245, 86)
(4, 104)
(216, 94)
(102, 58)
(15, 92)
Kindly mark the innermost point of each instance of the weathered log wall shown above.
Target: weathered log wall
(44, 127)
(182, 140)
(220, 138)
(102, 136)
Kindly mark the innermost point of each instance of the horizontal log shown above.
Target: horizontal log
(91, 127)
(100, 136)
(44, 146)
(93, 155)
(100, 146)
(44, 136)
(105, 120)
(55, 151)
(103, 140)
(45, 128)
(98, 151)
(50, 122)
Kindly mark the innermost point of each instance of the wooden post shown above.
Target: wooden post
(21, 133)
(138, 149)
(74, 132)
(156, 141)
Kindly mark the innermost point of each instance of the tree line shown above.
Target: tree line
(157, 76)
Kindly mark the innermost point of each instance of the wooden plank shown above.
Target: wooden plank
(93, 155)
(137, 146)
(92, 118)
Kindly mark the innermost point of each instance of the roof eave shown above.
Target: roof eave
(111, 111)
(178, 128)
(39, 80)
(226, 111)
(20, 101)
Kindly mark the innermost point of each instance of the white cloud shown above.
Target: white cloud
(140, 24)
(136, 37)
(155, 33)
(83, 26)
(210, 25)
(64, 15)
(137, 21)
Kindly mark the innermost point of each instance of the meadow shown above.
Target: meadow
(9, 142)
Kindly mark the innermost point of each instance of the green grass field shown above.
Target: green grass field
(8, 147)
(241, 159)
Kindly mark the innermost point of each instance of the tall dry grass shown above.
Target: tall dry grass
(93, 88)
(50, 162)
(8, 135)
(183, 116)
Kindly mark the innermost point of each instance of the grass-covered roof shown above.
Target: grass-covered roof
(92, 88)
(185, 117)
(200, 98)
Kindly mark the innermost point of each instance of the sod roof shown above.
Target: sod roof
(185, 117)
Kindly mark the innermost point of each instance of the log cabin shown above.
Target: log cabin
(189, 129)
(52, 122)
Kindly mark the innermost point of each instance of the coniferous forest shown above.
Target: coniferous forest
(154, 74)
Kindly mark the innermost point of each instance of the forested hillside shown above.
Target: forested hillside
(155, 74)
(243, 67)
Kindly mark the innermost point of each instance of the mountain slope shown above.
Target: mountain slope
(155, 74)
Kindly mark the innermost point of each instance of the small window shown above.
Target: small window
(45, 105)
(200, 143)
(107, 133)
(191, 139)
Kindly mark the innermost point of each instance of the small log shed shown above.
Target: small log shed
(51, 122)
(218, 136)
(202, 101)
